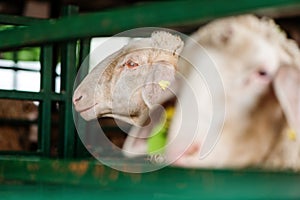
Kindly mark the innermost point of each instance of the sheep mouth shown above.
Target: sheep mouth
(116, 115)
(130, 119)
(86, 109)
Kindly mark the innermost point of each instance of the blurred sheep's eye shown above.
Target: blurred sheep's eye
(131, 64)
(262, 73)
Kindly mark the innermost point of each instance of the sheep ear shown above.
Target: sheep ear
(158, 82)
(227, 34)
(287, 89)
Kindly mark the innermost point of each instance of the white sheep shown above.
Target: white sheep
(260, 71)
(127, 84)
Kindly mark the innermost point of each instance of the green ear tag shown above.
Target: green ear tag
(157, 140)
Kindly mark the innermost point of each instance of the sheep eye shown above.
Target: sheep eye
(131, 64)
(262, 73)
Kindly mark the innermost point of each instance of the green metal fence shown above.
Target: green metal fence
(70, 35)
(69, 59)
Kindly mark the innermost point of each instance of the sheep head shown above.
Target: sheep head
(251, 55)
(127, 83)
(260, 71)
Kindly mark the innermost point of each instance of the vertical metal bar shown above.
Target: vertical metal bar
(84, 52)
(15, 60)
(45, 104)
(68, 73)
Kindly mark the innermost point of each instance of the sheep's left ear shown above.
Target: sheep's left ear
(157, 84)
(287, 89)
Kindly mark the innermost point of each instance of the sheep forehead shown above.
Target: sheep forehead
(140, 56)
(248, 42)
(257, 50)
(247, 48)
(266, 54)
(260, 56)
(237, 65)
(265, 27)
(276, 36)
(162, 46)
(148, 55)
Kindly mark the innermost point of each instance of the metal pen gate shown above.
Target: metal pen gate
(46, 96)
(71, 34)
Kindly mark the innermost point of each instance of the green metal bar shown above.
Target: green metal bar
(19, 153)
(19, 69)
(15, 59)
(24, 54)
(167, 183)
(19, 20)
(16, 122)
(34, 96)
(165, 13)
(68, 74)
(84, 53)
(45, 107)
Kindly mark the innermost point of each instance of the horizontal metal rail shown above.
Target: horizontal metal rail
(167, 183)
(17, 122)
(35, 96)
(167, 13)
(16, 68)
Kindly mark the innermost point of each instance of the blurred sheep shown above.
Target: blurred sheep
(260, 71)
(17, 137)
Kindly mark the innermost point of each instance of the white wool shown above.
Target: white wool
(167, 41)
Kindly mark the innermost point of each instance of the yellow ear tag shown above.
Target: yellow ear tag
(164, 84)
(169, 113)
(292, 134)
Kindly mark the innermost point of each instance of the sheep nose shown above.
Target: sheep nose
(76, 99)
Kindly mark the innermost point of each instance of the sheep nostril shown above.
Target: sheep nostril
(76, 100)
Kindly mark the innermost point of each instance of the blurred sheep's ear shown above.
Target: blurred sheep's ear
(157, 84)
(287, 90)
(226, 35)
